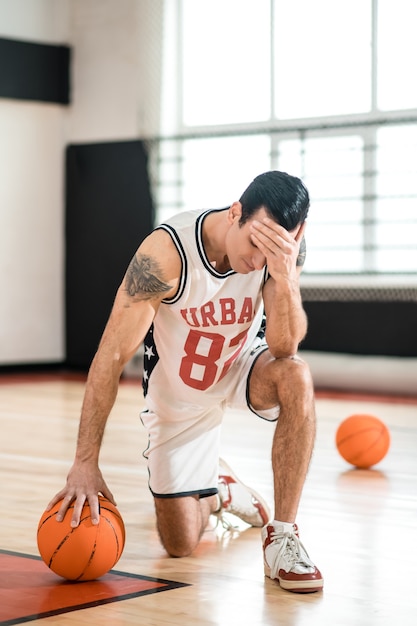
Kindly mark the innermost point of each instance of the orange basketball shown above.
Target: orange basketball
(86, 552)
(362, 440)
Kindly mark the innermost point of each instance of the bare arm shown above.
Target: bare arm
(149, 279)
(285, 252)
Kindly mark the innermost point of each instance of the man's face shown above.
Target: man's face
(243, 255)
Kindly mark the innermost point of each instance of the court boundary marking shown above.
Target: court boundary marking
(161, 584)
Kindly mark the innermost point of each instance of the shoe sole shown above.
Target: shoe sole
(229, 472)
(294, 585)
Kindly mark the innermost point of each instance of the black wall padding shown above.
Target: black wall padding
(109, 211)
(33, 71)
(373, 328)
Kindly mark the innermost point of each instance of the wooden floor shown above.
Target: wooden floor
(359, 526)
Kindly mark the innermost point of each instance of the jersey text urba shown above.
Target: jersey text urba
(225, 311)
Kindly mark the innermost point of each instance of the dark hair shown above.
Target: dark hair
(283, 196)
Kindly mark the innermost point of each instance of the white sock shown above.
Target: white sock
(287, 526)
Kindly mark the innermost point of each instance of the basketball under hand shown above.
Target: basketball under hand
(362, 440)
(86, 552)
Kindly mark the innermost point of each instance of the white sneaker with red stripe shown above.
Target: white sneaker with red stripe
(286, 559)
(240, 500)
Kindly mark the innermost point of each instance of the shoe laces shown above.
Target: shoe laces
(226, 524)
(289, 548)
(246, 502)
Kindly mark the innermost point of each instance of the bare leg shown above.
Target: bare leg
(288, 383)
(182, 521)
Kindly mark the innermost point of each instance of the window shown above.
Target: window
(396, 199)
(322, 58)
(224, 62)
(217, 167)
(313, 88)
(332, 168)
(397, 51)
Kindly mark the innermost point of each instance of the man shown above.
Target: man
(196, 291)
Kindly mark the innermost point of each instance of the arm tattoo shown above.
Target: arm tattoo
(302, 253)
(142, 281)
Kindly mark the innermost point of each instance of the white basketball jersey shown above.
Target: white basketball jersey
(199, 333)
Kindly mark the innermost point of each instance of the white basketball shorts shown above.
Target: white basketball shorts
(183, 455)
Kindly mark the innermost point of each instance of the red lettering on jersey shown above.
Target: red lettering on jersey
(207, 314)
(246, 314)
(226, 312)
(193, 313)
(227, 306)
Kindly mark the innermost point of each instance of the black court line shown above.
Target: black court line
(163, 585)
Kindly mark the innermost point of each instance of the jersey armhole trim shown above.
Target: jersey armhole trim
(200, 247)
(184, 268)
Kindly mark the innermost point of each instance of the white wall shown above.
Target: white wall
(31, 201)
(116, 69)
(31, 226)
(41, 21)
(115, 95)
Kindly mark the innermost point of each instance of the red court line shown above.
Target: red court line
(17, 377)
(29, 590)
(7, 378)
(330, 394)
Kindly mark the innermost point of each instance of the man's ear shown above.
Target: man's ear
(300, 233)
(235, 212)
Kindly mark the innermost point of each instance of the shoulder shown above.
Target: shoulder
(158, 243)
(155, 270)
(182, 220)
(160, 247)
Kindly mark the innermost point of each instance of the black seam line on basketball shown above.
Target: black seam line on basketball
(116, 513)
(61, 543)
(119, 551)
(92, 553)
(119, 517)
(53, 514)
(47, 519)
(57, 549)
(360, 454)
(120, 548)
(360, 432)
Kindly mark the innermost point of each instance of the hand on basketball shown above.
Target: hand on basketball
(84, 483)
(280, 246)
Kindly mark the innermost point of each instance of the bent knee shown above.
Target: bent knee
(179, 529)
(294, 374)
(291, 371)
(295, 381)
(295, 366)
(178, 549)
(276, 381)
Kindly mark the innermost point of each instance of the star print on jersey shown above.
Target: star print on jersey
(150, 359)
